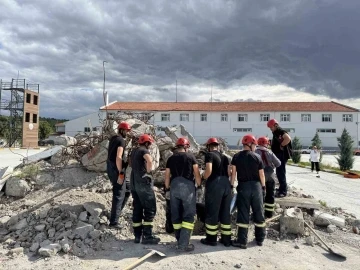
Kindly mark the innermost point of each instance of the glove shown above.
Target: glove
(167, 195)
(264, 192)
(121, 177)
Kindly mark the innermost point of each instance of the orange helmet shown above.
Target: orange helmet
(124, 125)
(264, 141)
(212, 141)
(272, 122)
(249, 139)
(182, 142)
(144, 138)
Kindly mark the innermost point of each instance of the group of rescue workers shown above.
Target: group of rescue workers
(253, 167)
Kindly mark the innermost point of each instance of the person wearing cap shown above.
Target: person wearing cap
(248, 168)
(141, 184)
(315, 160)
(181, 169)
(115, 167)
(281, 146)
(270, 162)
(217, 195)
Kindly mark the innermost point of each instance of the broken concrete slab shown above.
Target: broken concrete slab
(95, 209)
(16, 187)
(43, 155)
(325, 219)
(50, 250)
(165, 143)
(298, 202)
(176, 132)
(95, 159)
(5, 174)
(64, 140)
(82, 229)
(292, 221)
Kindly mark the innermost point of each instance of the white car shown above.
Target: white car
(306, 150)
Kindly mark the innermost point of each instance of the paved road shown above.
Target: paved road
(334, 189)
(14, 157)
(331, 160)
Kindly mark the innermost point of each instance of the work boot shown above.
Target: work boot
(238, 244)
(189, 248)
(184, 239)
(210, 240)
(150, 240)
(177, 235)
(268, 214)
(260, 234)
(225, 240)
(116, 226)
(259, 243)
(138, 233)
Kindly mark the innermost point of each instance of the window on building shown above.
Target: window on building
(184, 117)
(160, 128)
(242, 117)
(242, 129)
(145, 117)
(27, 117)
(289, 130)
(86, 129)
(165, 117)
(285, 117)
(34, 118)
(264, 117)
(347, 118)
(306, 118)
(224, 117)
(95, 128)
(326, 117)
(35, 100)
(28, 98)
(203, 117)
(326, 130)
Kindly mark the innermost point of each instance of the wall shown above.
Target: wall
(304, 130)
(77, 126)
(31, 136)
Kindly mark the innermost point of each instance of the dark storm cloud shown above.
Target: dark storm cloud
(312, 46)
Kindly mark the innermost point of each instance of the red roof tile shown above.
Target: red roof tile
(231, 106)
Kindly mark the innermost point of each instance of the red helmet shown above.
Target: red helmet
(212, 141)
(272, 122)
(263, 141)
(182, 142)
(249, 139)
(144, 138)
(124, 125)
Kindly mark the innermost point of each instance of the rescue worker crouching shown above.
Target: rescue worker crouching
(217, 195)
(249, 169)
(181, 168)
(270, 162)
(116, 171)
(141, 184)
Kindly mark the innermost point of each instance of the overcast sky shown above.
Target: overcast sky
(269, 50)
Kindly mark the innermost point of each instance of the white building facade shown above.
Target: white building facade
(85, 124)
(232, 120)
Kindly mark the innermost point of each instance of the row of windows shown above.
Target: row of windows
(28, 99)
(263, 117)
(87, 129)
(27, 118)
(290, 130)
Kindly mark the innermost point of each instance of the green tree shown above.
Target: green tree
(346, 158)
(4, 126)
(316, 141)
(44, 130)
(296, 146)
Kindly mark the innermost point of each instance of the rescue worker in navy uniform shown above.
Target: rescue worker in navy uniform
(281, 146)
(181, 168)
(270, 162)
(116, 171)
(250, 191)
(217, 195)
(141, 184)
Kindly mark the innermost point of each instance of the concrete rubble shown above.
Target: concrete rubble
(59, 202)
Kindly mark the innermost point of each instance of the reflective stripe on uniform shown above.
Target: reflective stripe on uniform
(137, 224)
(147, 223)
(211, 232)
(269, 209)
(225, 229)
(211, 227)
(177, 226)
(261, 225)
(242, 225)
(270, 204)
(188, 225)
(225, 232)
(223, 226)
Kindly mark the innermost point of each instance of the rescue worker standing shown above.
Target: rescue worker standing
(116, 171)
(144, 201)
(217, 195)
(281, 146)
(181, 168)
(250, 191)
(270, 162)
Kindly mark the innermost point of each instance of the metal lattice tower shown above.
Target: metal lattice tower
(15, 105)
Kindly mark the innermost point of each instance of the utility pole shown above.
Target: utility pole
(104, 93)
(176, 91)
(211, 99)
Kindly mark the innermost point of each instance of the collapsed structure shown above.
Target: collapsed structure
(59, 199)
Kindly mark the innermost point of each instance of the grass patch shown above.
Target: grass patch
(323, 166)
(323, 203)
(29, 172)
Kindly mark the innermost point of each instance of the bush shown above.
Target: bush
(346, 158)
(296, 146)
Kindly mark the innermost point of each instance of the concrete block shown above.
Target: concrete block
(292, 221)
